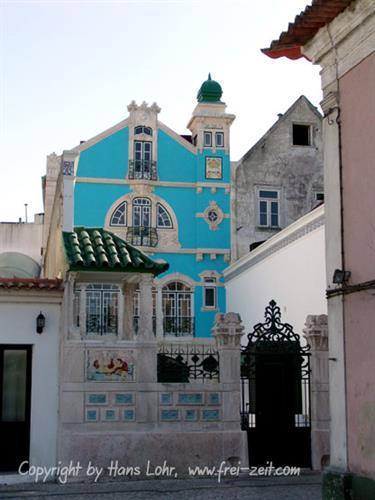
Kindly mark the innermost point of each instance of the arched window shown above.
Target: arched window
(163, 217)
(119, 215)
(141, 212)
(141, 233)
(142, 129)
(177, 309)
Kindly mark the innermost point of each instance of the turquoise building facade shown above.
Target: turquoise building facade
(168, 195)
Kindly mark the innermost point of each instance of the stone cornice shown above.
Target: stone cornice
(131, 182)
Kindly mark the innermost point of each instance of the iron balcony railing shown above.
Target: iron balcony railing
(141, 236)
(178, 326)
(142, 169)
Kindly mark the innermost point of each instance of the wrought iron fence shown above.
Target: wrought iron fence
(142, 236)
(187, 363)
(142, 169)
(179, 326)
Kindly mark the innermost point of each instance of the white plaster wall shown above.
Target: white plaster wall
(293, 276)
(23, 238)
(18, 326)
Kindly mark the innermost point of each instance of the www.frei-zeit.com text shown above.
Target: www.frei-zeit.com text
(116, 470)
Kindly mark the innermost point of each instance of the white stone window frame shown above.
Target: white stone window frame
(205, 276)
(219, 133)
(310, 126)
(163, 208)
(133, 138)
(144, 129)
(125, 214)
(268, 200)
(78, 300)
(167, 236)
(207, 134)
(159, 283)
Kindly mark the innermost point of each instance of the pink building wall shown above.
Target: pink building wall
(357, 102)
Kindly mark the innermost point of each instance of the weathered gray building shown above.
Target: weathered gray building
(279, 179)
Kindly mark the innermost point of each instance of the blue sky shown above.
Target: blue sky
(68, 70)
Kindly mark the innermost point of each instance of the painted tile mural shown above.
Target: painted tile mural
(110, 366)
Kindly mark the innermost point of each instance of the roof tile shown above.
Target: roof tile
(305, 27)
(100, 250)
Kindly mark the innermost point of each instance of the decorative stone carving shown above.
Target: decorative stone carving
(316, 332)
(213, 215)
(228, 329)
(68, 167)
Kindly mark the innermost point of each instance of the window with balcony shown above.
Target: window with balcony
(141, 233)
(142, 166)
(177, 309)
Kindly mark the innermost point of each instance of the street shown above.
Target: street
(306, 487)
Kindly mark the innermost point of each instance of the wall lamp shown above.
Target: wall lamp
(40, 322)
(340, 277)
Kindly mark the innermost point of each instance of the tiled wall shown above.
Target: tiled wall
(189, 406)
(110, 406)
(176, 406)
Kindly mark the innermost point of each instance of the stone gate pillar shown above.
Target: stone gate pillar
(228, 331)
(146, 341)
(316, 334)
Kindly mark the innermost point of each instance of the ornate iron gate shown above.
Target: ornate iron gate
(275, 393)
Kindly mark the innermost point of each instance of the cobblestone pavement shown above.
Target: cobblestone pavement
(305, 487)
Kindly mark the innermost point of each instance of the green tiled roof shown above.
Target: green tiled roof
(94, 249)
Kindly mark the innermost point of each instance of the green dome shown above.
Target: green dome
(210, 91)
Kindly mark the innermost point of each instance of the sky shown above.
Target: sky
(69, 68)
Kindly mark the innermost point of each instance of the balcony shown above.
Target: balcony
(141, 236)
(142, 169)
(179, 326)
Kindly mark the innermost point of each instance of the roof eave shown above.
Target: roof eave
(294, 52)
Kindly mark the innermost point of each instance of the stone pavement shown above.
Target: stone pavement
(305, 487)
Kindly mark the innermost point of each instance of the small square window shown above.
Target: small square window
(319, 196)
(207, 139)
(219, 139)
(301, 135)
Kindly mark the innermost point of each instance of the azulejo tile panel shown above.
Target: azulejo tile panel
(210, 415)
(190, 398)
(110, 365)
(124, 398)
(109, 414)
(128, 415)
(213, 398)
(191, 415)
(169, 415)
(166, 398)
(92, 415)
(96, 398)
